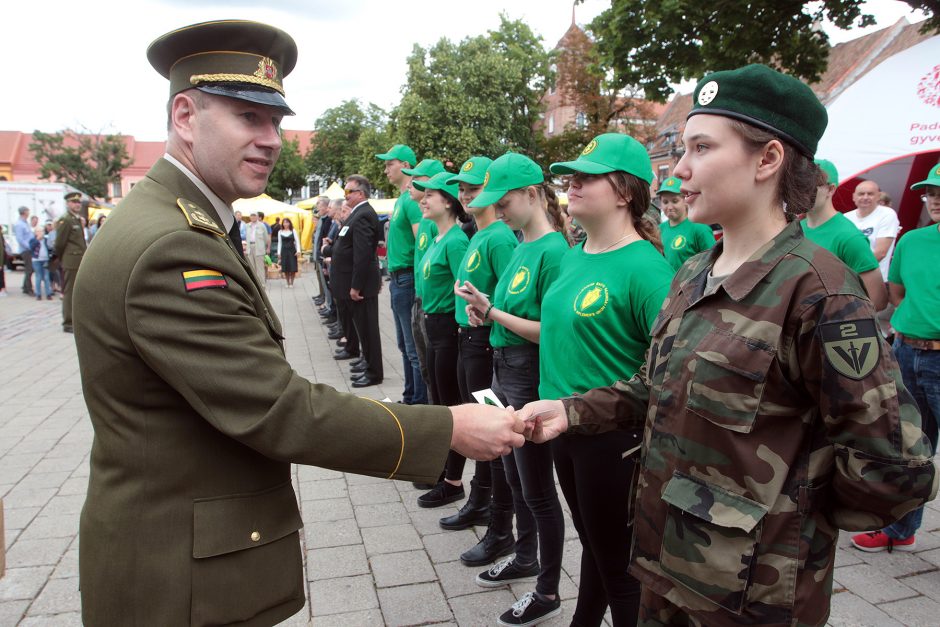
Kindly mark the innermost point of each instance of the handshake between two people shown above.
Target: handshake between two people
(484, 432)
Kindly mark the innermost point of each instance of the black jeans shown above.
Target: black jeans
(529, 471)
(442, 358)
(597, 481)
(474, 373)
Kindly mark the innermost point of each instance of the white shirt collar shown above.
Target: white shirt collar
(225, 212)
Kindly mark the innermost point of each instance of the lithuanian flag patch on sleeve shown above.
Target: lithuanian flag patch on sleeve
(203, 279)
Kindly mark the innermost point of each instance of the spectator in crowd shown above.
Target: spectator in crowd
(24, 233)
(256, 238)
(321, 212)
(94, 227)
(879, 224)
(330, 313)
(55, 265)
(275, 228)
(242, 226)
(70, 246)
(912, 282)
(885, 201)
(288, 249)
(4, 251)
(837, 234)
(40, 254)
(681, 237)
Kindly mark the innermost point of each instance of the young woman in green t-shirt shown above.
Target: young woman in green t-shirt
(596, 322)
(523, 202)
(438, 270)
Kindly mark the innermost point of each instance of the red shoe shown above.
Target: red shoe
(875, 541)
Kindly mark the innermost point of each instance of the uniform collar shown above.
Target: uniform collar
(225, 212)
(751, 272)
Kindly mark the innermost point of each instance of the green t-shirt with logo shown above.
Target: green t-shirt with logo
(914, 265)
(843, 239)
(684, 240)
(484, 262)
(438, 270)
(524, 282)
(401, 239)
(597, 316)
(427, 231)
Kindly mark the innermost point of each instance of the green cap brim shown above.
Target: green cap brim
(488, 197)
(469, 179)
(385, 157)
(580, 165)
(934, 182)
(422, 187)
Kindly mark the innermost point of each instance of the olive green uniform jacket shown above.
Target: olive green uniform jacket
(70, 242)
(190, 517)
(775, 416)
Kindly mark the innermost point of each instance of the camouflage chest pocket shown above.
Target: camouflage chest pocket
(728, 383)
(710, 540)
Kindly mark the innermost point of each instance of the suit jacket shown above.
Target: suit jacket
(70, 242)
(190, 517)
(355, 264)
(262, 239)
(323, 228)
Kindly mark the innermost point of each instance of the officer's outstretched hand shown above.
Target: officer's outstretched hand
(484, 432)
(544, 420)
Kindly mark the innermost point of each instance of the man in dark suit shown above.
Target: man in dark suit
(358, 279)
(190, 517)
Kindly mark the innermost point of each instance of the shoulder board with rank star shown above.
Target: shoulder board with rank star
(197, 218)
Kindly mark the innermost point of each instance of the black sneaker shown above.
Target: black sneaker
(530, 610)
(441, 494)
(506, 572)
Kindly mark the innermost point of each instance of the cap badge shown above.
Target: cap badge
(937, 171)
(589, 148)
(266, 69)
(486, 179)
(708, 92)
(468, 166)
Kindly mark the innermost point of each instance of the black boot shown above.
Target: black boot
(476, 511)
(497, 542)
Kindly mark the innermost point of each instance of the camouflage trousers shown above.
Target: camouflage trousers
(656, 611)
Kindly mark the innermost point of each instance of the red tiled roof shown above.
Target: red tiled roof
(9, 145)
(303, 137)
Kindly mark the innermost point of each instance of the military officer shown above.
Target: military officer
(190, 517)
(70, 246)
(775, 412)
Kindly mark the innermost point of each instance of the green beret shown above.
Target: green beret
(933, 179)
(767, 99)
(235, 58)
(473, 171)
(671, 185)
(400, 152)
(610, 152)
(830, 169)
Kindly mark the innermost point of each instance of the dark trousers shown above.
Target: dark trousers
(442, 358)
(27, 256)
(344, 315)
(474, 373)
(419, 334)
(365, 316)
(68, 284)
(540, 524)
(597, 481)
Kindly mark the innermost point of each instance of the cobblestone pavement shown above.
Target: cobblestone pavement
(372, 557)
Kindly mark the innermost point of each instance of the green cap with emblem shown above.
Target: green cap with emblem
(427, 167)
(830, 169)
(440, 182)
(509, 172)
(672, 185)
(235, 58)
(933, 179)
(473, 171)
(610, 152)
(767, 99)
(400, 152)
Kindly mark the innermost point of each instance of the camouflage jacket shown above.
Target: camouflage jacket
(775, 415)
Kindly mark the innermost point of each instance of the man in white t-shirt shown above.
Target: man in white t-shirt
(878, 223)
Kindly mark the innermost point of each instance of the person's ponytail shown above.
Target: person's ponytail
(552, 207)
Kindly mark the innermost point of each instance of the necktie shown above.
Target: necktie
(235, 235)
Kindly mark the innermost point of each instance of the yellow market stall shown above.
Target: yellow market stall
(301, 218)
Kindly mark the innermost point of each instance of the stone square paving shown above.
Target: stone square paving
(371, 556)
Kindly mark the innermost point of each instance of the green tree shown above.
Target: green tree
(477, 96)
(657, 42)
(86, 161)
(373, 141)
(334, 150)
(289, 174)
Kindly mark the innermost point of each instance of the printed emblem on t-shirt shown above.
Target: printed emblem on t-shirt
(423, 241)
(867, 232)
(427, 269)
(678, 242)
(591, 300)
(520, 281)
(474, 261)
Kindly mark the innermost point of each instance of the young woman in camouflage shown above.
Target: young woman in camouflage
(775, 413)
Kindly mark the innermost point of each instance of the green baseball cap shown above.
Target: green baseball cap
(765, 98)
(427, 167)
(400, 152)
(932, 179)
(473, 171)
(610, 152)
(671, 185)
(509, 172)
(830, 169)
(440, 182)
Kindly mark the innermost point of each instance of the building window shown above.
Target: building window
(551, 124)
(580, 120)
(115, 189)
(663, 173)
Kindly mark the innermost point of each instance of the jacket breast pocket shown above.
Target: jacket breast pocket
(246, 556)
(710, 539)
(729, 379)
